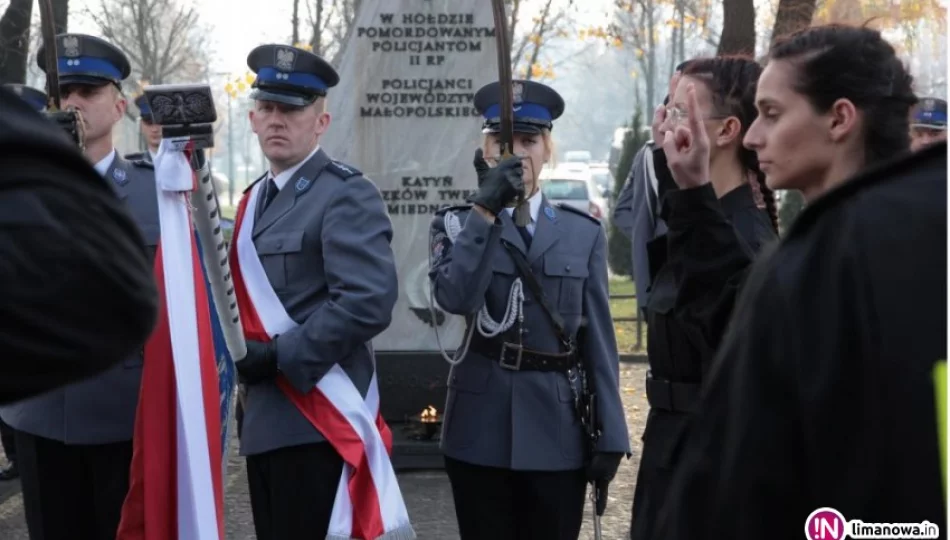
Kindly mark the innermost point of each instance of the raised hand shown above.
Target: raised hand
(686, 146)
(497, 186)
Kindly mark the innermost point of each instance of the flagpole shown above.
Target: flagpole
(215, 253)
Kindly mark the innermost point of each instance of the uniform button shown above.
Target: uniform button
(479, 240)
(280, 245)
(567, 268)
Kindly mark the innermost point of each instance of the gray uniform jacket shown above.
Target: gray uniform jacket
(637, 216)
(101, 409)
(525, 420)
(324, 243)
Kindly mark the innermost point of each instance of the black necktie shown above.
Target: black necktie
(525, 235)
(270, 191)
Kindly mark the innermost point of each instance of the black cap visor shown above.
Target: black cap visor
(288, 95)
(933, 127)
(522, 125)
(87, 80)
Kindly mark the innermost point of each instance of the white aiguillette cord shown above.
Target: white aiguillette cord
(486, 325)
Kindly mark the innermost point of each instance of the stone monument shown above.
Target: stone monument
(403, 115)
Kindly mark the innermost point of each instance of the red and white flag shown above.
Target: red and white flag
(368, 504)
(175, 490)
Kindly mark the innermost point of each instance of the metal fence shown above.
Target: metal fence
(636, 317)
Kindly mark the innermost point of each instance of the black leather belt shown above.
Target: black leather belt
(671, 395)
(516, 358)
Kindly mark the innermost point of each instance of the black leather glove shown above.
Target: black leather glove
(602, 469)
(497, 186)
(70, 122)
(259, 364)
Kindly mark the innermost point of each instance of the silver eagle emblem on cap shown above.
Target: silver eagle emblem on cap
(71, 46)
(517, 93)
(285, 59)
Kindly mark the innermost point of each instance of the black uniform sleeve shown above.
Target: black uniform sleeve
(710, 262)
(743, 440)
(77, 293)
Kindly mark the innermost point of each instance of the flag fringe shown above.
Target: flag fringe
(405, 532)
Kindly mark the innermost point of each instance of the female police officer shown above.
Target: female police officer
(514, 443)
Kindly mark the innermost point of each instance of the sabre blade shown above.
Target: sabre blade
(504, 77)
(48, 27)
(593, 505)
(506, 117)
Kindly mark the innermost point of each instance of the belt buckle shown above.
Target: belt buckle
(516, 366)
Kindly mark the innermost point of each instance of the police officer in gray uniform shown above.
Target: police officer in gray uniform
(151, 132)
(323, 236)
(928, 123)
(515, 448)
(33, 97)
(75, 443)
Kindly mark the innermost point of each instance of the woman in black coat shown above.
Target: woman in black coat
(715, 231)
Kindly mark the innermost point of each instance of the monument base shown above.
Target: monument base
(410, 453)
(411, 382)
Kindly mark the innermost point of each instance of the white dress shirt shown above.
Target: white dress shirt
(281, 179)
(103, 166)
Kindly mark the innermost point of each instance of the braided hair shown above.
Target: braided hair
(732, 82)
(838, 61)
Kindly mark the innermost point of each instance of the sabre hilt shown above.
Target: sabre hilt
(70, 121)
(522, 212)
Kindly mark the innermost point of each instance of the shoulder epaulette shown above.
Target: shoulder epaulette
(134, 156)
(252, 184)
(142, 163)
(441, 211)
(578, 211)
(342, 169)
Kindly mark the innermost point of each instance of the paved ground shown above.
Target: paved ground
(427, 493)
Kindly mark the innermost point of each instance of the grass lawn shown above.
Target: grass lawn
(626, 307)
(228, 212)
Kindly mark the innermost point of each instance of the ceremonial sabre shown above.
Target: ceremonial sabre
(507, 134)
(186, 113)
(594, 495)
(69, 119)
(48, 26)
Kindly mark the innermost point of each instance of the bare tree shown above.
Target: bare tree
(295, 22)
(700, 12)
(15, 36)
(553, 20)
(329, 22)
(636, 24)
(164, 41)
(792, 16)
(738, 27)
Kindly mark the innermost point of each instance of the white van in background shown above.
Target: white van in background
(574, 186)
(577, 156)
